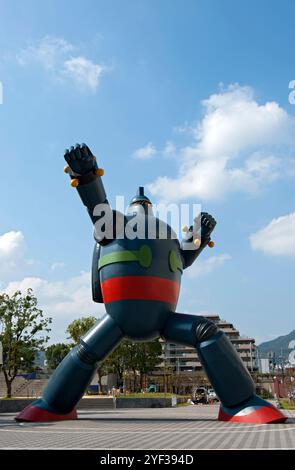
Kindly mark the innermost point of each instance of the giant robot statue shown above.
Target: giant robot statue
(138, 280)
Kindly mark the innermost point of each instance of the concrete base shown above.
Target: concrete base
(143, 402)
(15, 405)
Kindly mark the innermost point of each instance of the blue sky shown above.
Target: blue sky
(192, 92)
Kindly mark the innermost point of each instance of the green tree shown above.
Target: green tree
(120, 360)
(55, 353)
(79, 327)
(135, 357)
(23, 332)
(146, 356)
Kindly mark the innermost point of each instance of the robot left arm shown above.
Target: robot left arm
(85, 177)
(197, 237)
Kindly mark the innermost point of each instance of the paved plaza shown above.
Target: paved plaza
(186, 427)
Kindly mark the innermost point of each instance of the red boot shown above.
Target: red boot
(254, 410)
(38, 411)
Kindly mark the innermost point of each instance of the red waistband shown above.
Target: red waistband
(140, 287)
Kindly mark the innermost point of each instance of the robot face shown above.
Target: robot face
(140, 204)
(140, 208)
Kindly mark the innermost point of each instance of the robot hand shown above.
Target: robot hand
(82, 166)
(200, 232)
(207, 225)
(80, 160)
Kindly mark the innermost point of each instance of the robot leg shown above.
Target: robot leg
(69, 381)
(226, 371)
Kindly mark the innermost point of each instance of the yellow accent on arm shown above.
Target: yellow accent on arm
(74, 182)
(99, 172)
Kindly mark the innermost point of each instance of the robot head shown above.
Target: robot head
(140, 202)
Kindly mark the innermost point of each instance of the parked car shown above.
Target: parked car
(204, 395)
(199, 395)
(211, 395)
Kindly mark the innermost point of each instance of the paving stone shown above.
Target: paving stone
(191, 427)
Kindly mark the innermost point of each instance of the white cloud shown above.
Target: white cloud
(149, 151)
(64, 301)
(49, 52)
(12, 255)
(84, 72)
(277, 238)
(145, 153)
(59, 58)
(169, 149)
(12, 246)
(57, 265)
(237, 146)
(208, 265)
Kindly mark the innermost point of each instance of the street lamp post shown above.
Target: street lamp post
(1, 354)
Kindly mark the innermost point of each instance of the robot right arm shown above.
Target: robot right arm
(197, 237)
(86, 178)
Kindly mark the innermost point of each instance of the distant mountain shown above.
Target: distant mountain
(279, 346)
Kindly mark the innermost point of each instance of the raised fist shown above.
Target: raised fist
(207, 225)
(80, 159)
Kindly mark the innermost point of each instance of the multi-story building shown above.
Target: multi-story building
(181, 359)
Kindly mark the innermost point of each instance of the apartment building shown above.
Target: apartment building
(181, 359)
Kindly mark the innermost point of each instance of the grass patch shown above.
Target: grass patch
(285, 405)
(17, 398)
(151, 395)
